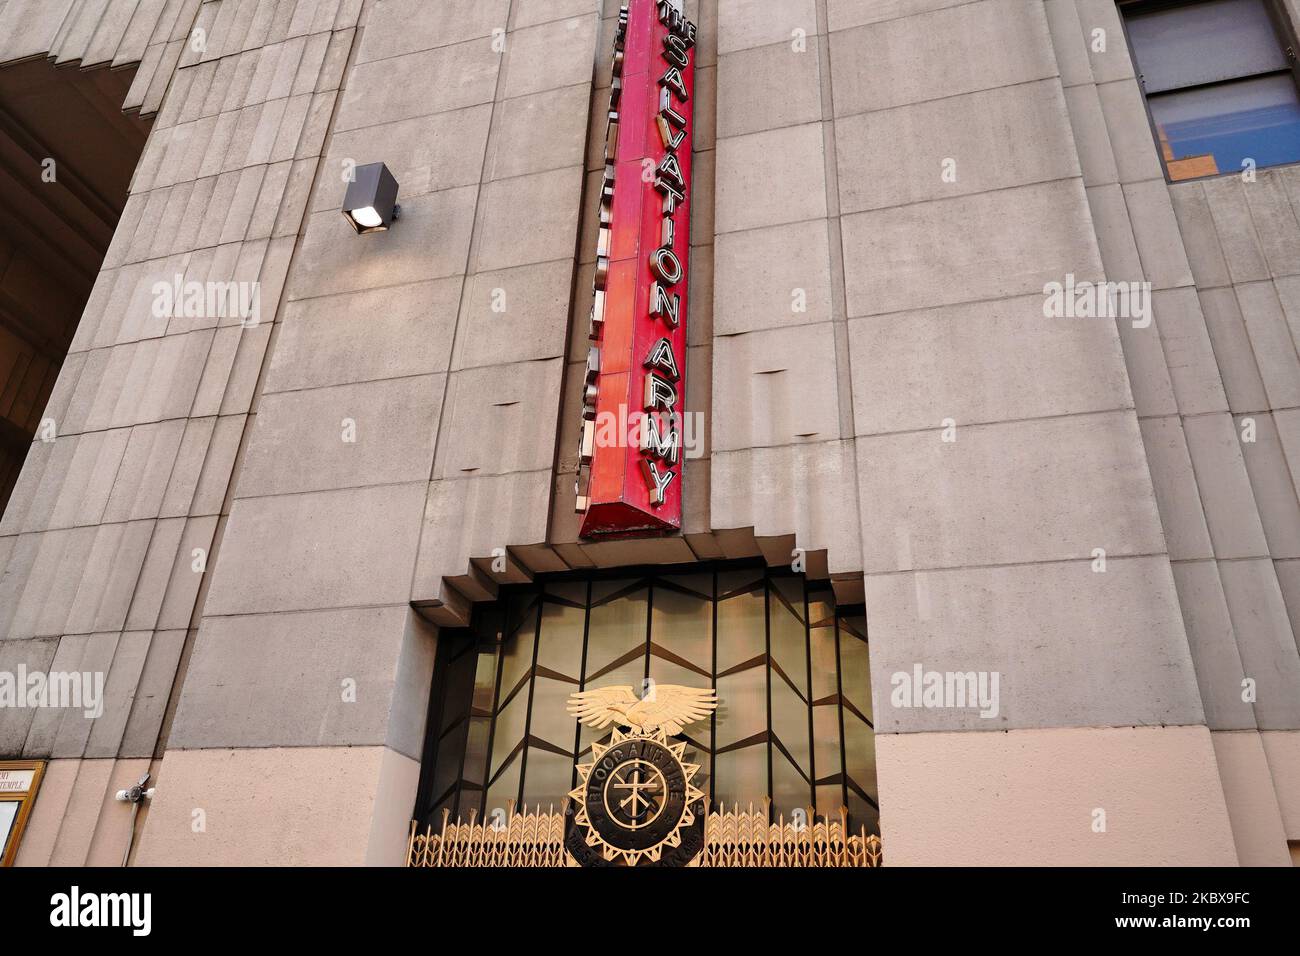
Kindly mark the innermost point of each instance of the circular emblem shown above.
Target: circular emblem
(635, 797)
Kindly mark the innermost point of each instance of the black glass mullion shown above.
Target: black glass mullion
(496, 705)
(839, 708)
(767, 650)
(808, 676)
(713, 717)
(582, 685)
(528, 713)
(649, 625)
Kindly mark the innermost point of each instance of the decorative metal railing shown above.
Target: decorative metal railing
(732, 838)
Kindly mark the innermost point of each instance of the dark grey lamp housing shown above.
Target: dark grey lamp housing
(370, 203)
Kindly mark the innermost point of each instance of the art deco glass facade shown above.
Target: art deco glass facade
(794, 721)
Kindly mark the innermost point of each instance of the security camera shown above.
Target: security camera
(138, 793)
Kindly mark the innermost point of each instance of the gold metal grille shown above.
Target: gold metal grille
(731, 838)
(746, 838)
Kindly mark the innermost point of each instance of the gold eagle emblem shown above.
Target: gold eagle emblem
(667, 707)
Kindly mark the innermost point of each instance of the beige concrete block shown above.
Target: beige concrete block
(988, 246)
(397, 27)
(501, 401)
(770, 278)
(85, 488)
(1196, 225)
(1288, 292)
(1068, 40)
(1274, 335)
(776, 387)
(743, 24)
(528, 13)
(984, 498)
(1265, 640)
(703, 197)
(768, 87)
(1186, 534)
(898, 156)
(843, 14)
(1159, 243)
(404, 330)
(1193, 370)
(318, 550)
(145, 468)
(110, 578)
(998, 43)
(419, 84)
(1107, 649)
(345, 436)
(538, 132)
(958, 798)
(152, 694)
(1236, 228)
(35, 656)
(550, 56)
(548, 202)
(430, 241)
(764, 179)
(1287, 423)
(47, 722)
(800, 490)
(1112, 63)
(1273, 487)
(1238, 368)
(1136, 152)
(120, 682)
(424, 154)
(1096, 154)
(218, 467)
(1224, 487)
(279, 680)
(1210, 637)
(156, 573)
(516, 315)
(981, 362)
(265, 806)
(699, 324)
(1275, 222)
(705, 121)
(467, 518)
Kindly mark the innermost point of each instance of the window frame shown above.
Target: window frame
(25, 799)
(490, 618)
(1284, 30)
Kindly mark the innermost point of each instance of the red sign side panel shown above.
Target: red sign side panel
(635, 469)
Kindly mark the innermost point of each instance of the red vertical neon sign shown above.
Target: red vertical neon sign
(632, 451)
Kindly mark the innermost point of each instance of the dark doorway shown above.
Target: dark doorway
(67, 153)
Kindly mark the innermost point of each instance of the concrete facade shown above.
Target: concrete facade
(868, 348)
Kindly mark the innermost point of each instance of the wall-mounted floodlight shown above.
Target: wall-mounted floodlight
(370, 203)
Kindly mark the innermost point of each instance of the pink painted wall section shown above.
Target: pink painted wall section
(302, 806)
(1252, 802)
(1027, 797)
(1282, 748)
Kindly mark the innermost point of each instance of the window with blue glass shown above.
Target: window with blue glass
(1219, 81)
